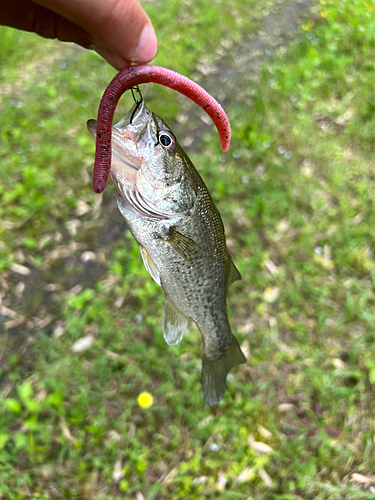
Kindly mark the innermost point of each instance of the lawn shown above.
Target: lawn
(80, 318)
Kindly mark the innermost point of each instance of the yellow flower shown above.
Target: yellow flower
(324, 13)
(308, 26)
(145, 400)
(271, 294)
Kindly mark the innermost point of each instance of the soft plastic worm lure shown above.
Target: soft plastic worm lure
(136, 75)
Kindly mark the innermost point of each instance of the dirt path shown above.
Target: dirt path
(227, 80)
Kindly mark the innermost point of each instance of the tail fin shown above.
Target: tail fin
(214, 373)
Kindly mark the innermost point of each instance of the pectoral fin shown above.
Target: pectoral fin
(234, 274)
(174, 323)
(150, 266)
(185, 246)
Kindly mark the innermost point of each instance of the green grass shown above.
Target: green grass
(297, 203)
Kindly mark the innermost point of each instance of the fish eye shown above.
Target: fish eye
(167, 140)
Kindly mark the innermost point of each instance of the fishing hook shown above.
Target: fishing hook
(137, 101)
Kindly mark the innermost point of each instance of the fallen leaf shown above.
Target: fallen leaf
(118, 473)
(169, 477)
(286, 407)
(67, 433)
(265, 478)
(83, 343)
(264, 432)
(4, 311)
(14, 323)
(258, 446)
(20, 269)
(271, 267)
(246, 475)
(361, 479)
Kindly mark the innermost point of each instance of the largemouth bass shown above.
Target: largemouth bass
(178, 228)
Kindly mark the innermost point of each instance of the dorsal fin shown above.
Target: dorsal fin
(234, 274)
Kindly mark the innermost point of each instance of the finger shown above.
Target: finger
(120, 27)
(48, 24)
(39, 20)
(113, 59)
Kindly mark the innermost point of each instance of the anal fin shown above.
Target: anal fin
(174, 323)
(214, 372)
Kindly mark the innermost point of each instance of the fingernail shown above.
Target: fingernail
(147, 46)
(113, 59)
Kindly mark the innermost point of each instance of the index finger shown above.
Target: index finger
(120, 27)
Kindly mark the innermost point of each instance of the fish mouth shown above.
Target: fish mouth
(125, 164)
(138, 116)
(126, 159)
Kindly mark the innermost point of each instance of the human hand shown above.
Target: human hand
(119, 30)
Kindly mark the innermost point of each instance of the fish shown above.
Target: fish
(172, 217)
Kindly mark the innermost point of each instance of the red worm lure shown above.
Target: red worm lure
(136, 75)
